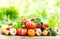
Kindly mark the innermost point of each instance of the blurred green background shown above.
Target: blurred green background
(14, 10)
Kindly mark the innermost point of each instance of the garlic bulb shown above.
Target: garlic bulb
(13, 31)
(38, 32)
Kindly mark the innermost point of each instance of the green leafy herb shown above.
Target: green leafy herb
(37, 20)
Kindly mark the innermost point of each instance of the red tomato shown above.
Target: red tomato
(24, 21)
(30, 25)
(22, 31)
(18, 31)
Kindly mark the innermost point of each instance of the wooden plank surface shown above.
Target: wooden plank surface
(26, 37)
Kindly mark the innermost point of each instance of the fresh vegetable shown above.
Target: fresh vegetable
(45, 25)
(24, 21)
(37, 20)
(45, 32)
(13, 31)
(30, 25)
(31, 32)
(22, 31)
(8, 28)
(39, 25)
(6, 32)
(38, 32)
(19, 25)
(53, 33)
(18, 31)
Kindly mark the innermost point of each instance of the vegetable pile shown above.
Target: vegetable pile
(29, 27)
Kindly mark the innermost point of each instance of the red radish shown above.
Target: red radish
(8, 28)
(39, 25)
(30, 25)
(45, 25)
(22, 31)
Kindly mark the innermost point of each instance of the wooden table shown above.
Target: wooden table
(26, 37)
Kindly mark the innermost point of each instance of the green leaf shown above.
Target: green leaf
(44, 14)
(19, 24)
(37, 20)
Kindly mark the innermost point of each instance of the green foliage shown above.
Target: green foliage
(1, 16)
(12, 13)
(19, 25)
(58, 3)
(15, 26)
(31, 15)
(38, 12)
(44, 14)
(52, 21)
(37, 20)
(2, 13)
